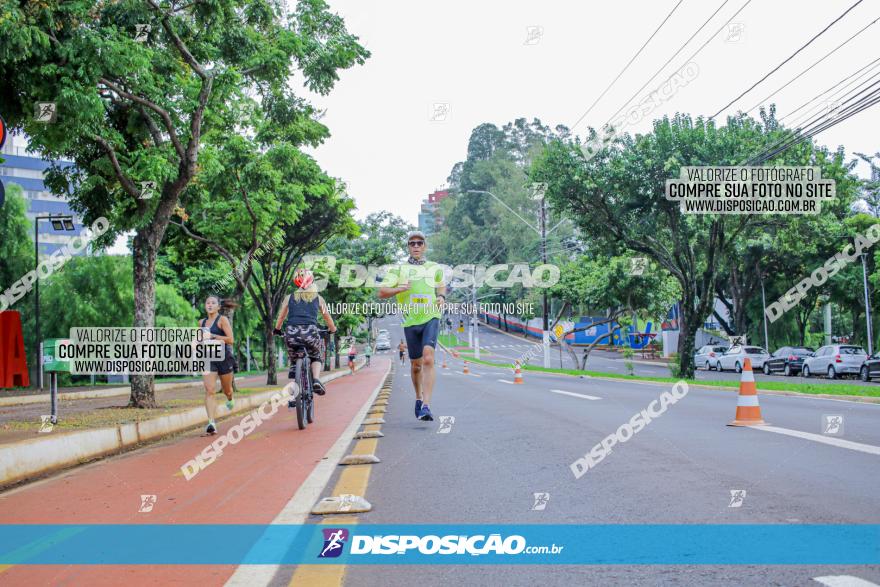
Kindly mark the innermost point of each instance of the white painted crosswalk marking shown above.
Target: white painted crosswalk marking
(505, 381)
(573, 394)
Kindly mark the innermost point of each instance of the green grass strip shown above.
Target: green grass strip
(805, 388)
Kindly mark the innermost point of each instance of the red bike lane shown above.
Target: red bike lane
(248, 484)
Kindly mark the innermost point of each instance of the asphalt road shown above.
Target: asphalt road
(504, 347)
(509, 442)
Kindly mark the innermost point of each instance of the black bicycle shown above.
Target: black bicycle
(304, 402)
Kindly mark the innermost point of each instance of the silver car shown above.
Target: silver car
(705, 356)
(834, 360)
(735, 358)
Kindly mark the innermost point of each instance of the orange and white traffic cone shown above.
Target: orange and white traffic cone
(466, 370)
(748, 412)
(517, 374)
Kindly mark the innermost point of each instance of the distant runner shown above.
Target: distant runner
(401, 348)
(352, 353)
(420, 300)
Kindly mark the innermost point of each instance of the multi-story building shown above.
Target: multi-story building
(27, 171)
(430, 219)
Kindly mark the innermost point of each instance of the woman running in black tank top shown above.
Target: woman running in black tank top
(219, 328)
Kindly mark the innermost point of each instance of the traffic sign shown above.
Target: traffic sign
(558, 330)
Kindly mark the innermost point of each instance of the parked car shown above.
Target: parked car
(787, 359)
(383, 343)
(834, 360)
(705, 356)
(870, 368)
(735, 358)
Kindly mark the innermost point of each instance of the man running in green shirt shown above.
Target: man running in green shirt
(420, 292)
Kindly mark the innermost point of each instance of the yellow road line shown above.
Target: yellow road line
(353, 480)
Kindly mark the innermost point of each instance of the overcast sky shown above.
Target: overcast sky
(478, 57)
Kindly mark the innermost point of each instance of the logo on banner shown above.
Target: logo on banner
(334, 540)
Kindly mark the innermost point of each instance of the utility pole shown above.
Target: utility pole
(545, 334)
(764, 308)
(476, 328)
(867, 304)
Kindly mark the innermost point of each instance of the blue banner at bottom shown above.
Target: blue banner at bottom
(178, 544)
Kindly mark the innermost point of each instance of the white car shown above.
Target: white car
(706, 355)
(834, 360)
(735, 358)
(383, 343)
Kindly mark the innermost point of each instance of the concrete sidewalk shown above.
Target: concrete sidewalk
(25, 452)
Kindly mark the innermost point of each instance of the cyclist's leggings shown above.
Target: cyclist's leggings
(306, 336)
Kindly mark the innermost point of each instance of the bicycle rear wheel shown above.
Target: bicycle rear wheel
(301, 381)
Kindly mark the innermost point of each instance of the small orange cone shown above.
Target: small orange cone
(517, 374)
(748, 412)
(466, 370)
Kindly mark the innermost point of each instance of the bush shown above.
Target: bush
(674, 368)
(628, 354)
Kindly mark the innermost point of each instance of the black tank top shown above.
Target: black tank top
(302, 312)
(215, 326)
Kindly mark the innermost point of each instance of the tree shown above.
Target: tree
(327, 213)
(133, 110)
(608, 284)
(17, 258)
(16, 246)
(104, 293)
(617, 199)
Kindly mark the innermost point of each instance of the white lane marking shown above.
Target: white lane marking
(506, 381)
(573, 394)
(838, 442)
(844, 581)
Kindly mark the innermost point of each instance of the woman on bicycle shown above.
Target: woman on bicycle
(301, 312)
(218, 327)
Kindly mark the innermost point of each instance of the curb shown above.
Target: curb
(28, 458)
(849, 398)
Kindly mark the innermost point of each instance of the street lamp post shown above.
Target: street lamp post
(59, 222)
(542, 232)
(545, 332)
(867, 303)
(764, 310)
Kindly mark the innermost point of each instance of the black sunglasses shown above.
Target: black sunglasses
(416, 243)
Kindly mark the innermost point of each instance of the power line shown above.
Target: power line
(827, 55)
(798, 125)
(811, 111)
(789, 58)
(819, 124)
(702, 26)
(622, 71)
(830, 88)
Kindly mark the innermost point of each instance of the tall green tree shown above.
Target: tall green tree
(135, 109)
(618, 200)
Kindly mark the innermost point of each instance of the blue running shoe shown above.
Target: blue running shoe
(418, 407)
(212, 428)
(425, 414)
